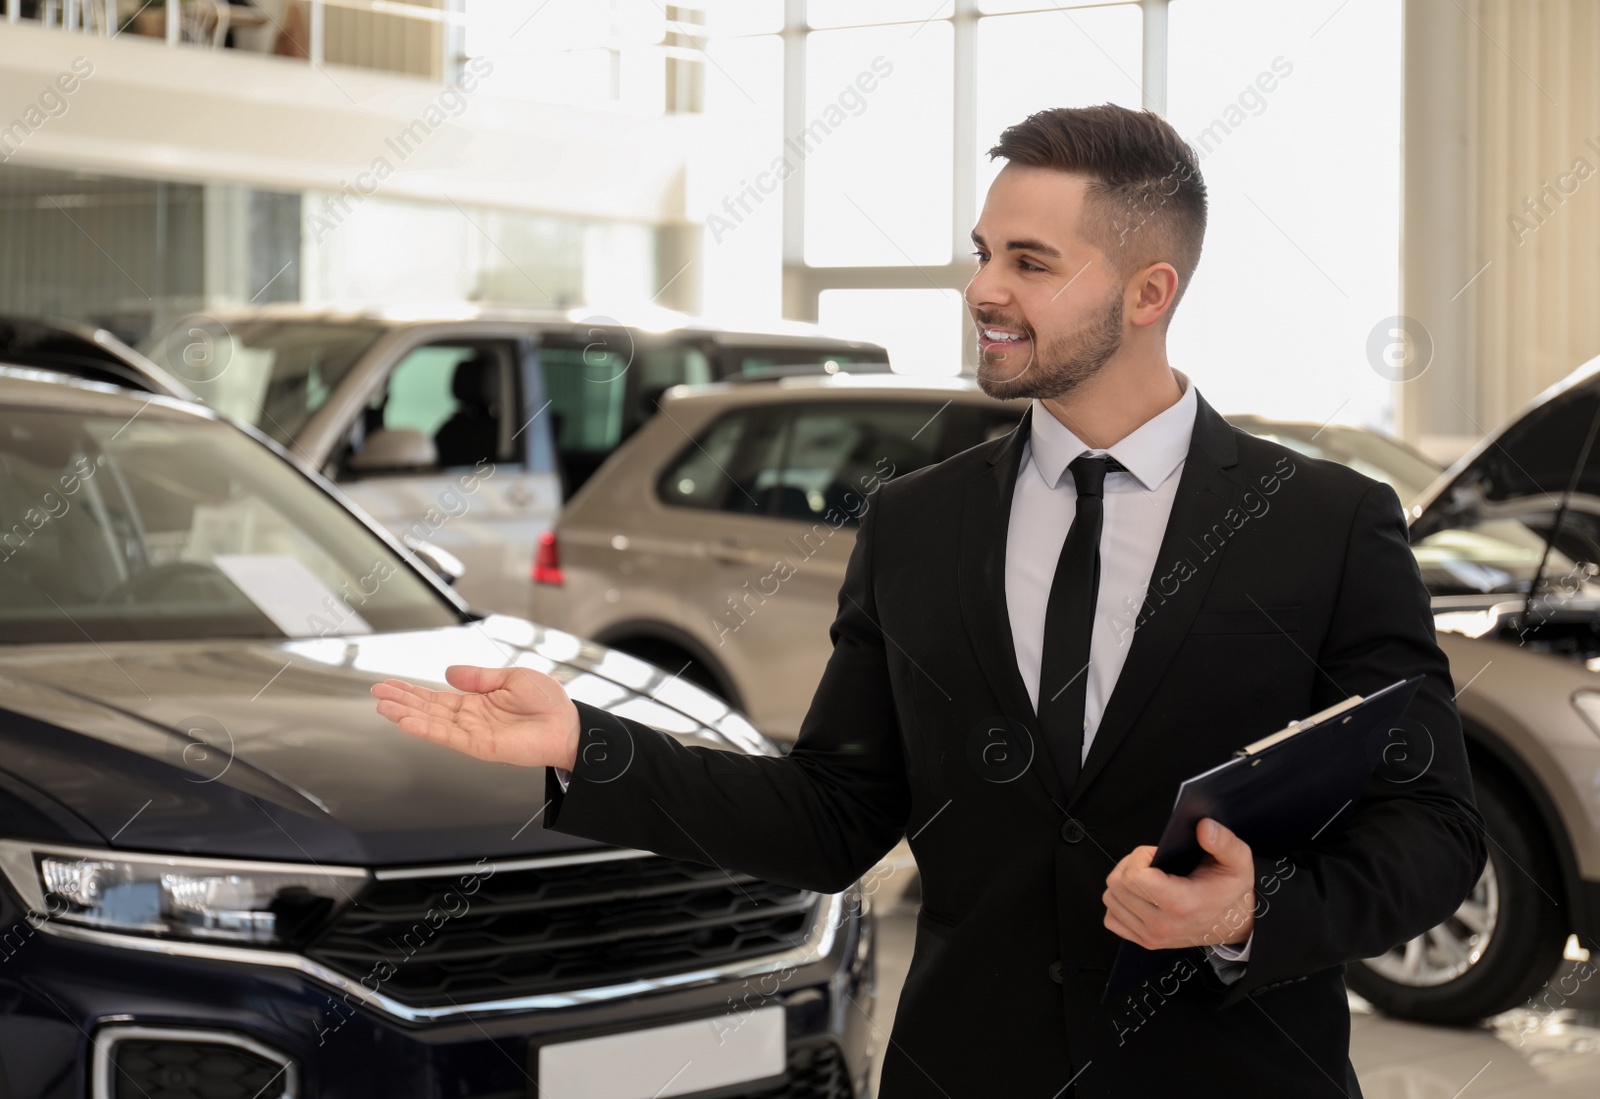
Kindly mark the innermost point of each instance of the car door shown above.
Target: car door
(489, 491)
(772, 560)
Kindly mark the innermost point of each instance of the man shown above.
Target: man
(1034, 646)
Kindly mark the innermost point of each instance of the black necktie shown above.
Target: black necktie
(1069, 621)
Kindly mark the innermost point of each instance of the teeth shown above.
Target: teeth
(997, 335)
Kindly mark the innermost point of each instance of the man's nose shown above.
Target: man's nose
(985, 288)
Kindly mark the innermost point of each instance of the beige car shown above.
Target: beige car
(713, 543)
(716, 541)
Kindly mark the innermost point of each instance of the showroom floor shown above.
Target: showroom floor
(1558, 1054)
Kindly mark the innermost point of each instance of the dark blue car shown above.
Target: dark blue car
(222, 874)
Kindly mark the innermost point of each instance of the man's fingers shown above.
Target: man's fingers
(1145, 883)
(1119, 908)
(475, 679)
(1122, 930)
(1137, 859)
(398, 690)
(1223, 845)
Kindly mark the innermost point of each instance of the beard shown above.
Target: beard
(1059, 367)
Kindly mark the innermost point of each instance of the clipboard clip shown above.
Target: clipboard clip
(1298, 726)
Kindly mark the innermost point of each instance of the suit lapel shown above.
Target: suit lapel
(1185, 566)
(985, 522)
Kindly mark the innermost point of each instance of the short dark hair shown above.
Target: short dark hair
(1146, 200)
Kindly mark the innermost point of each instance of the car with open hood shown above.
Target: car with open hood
(223, 874)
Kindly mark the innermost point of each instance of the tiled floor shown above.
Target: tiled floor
(1519, 1055)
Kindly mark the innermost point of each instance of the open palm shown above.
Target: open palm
(506, 715)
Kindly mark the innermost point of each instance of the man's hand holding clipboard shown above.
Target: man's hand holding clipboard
(1280, 792)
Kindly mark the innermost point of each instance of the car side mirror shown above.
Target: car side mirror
(446, 565)
(394, 450)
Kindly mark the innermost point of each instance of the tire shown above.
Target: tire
(1504, 941)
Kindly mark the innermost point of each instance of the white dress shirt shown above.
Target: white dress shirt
(1138, 504)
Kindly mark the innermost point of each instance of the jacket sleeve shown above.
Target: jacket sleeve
(1413, 847)
(817, 818)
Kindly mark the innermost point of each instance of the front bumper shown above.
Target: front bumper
(67, 1003)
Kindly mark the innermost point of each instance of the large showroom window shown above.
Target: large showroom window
(1293, 109)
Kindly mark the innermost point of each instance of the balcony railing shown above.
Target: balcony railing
(629, 54)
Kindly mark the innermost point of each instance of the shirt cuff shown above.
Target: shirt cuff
(1228, 962)
(564, 776)
(1223, 950)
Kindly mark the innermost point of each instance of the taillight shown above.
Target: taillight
(547, 560)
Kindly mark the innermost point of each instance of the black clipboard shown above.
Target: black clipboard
(1281, 791)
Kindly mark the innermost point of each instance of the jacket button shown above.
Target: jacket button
(1072, 831)
(1055, 972)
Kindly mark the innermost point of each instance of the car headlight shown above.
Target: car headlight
(174, 896)
(1587, 703)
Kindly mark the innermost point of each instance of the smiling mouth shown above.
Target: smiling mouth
(999, 338)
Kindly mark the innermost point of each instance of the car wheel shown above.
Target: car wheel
(1504, 941)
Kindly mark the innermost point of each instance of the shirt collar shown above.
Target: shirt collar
(1150, 452)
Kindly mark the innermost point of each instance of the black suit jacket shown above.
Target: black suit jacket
(1283, 584)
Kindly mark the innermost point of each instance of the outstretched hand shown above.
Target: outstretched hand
(505, 715)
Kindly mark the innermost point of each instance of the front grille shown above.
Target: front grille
(557, 928)
(189, 1069)
(816, 1071)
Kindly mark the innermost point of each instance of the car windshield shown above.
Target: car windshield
(272, 375)
(168, 526)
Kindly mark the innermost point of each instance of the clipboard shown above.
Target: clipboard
(1281, 791)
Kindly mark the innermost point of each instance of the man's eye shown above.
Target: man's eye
(980, 256)
(1026, 266)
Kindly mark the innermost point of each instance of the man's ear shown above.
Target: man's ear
(1151, 293)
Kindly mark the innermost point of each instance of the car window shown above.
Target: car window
(174, 527)
(756, 361)
(807, 463)
(600, 391)
(461, 395)
(272, 375)
(700, 477)
(585, 385)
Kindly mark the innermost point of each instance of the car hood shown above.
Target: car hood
(1517, 469)
(274, 749)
